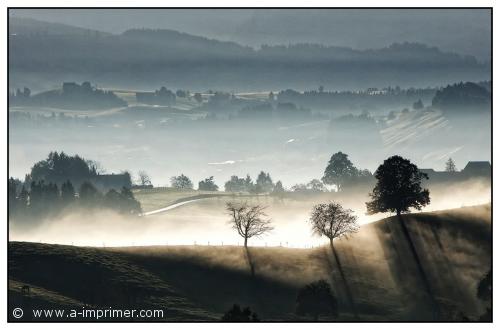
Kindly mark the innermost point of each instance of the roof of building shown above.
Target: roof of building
(478, 166)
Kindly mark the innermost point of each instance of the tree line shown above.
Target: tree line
(48, 199)
(340, 173)
(61, 182)
(71, 96)
(263, 184)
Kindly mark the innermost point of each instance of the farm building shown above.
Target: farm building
(473, 169)
(105, 182)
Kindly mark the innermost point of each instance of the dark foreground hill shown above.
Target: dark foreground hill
(201, 283)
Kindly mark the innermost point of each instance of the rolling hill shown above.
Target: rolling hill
(202, 282)
(43, 54)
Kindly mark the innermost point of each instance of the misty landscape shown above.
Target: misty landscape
(304, 167)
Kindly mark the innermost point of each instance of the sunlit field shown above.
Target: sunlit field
(205, 221)
(453, 246)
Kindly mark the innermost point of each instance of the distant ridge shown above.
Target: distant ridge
(30, 26)
(144, 58)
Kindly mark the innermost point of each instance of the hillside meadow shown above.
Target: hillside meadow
(202, 282)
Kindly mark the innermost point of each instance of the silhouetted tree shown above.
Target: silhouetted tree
(144, 178)
(316, 299)
(67, 193)
(27, 181)
(249, 186)
(278, 189)
(456, 97)
(235, 184)
(128, 202)
(264, 183)
(418, 105)
(398, 187)
(316, 186)
(123, 201)
(94, 166)
(127, 179)
(59, 167)
(339, 170)
(23, 199)
(51, 197)
(484, 292)
(112, 199)
(13, 187)
(181, 182)
(271, 96)
(484, 287)
(208, 185)
(163, 96)
(236, 314)
(450, 166)
(43, 198)
(181, 93)
(36, 197)
(313, 186)
(248, 220)
(89, 195)
(299, 188)
(333, 221)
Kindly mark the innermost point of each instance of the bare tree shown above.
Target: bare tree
(144, 178)
(248, 220)
(333, 221)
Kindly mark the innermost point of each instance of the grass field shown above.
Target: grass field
(156, 198)
(201, 282)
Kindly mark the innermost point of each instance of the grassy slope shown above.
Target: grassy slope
(200, 283)
(157, 198)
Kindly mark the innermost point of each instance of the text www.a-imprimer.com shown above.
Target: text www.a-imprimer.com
(96, 314)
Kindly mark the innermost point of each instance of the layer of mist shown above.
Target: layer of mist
(294, 152)
(205, 222)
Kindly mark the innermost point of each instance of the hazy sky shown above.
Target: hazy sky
(464, 31)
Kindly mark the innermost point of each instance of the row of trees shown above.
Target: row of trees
(457, 98)
(323, 99)
(263, 184)
(71, 96)
(329, 220)
(339, 172)
(43, 199)
(62, 181)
